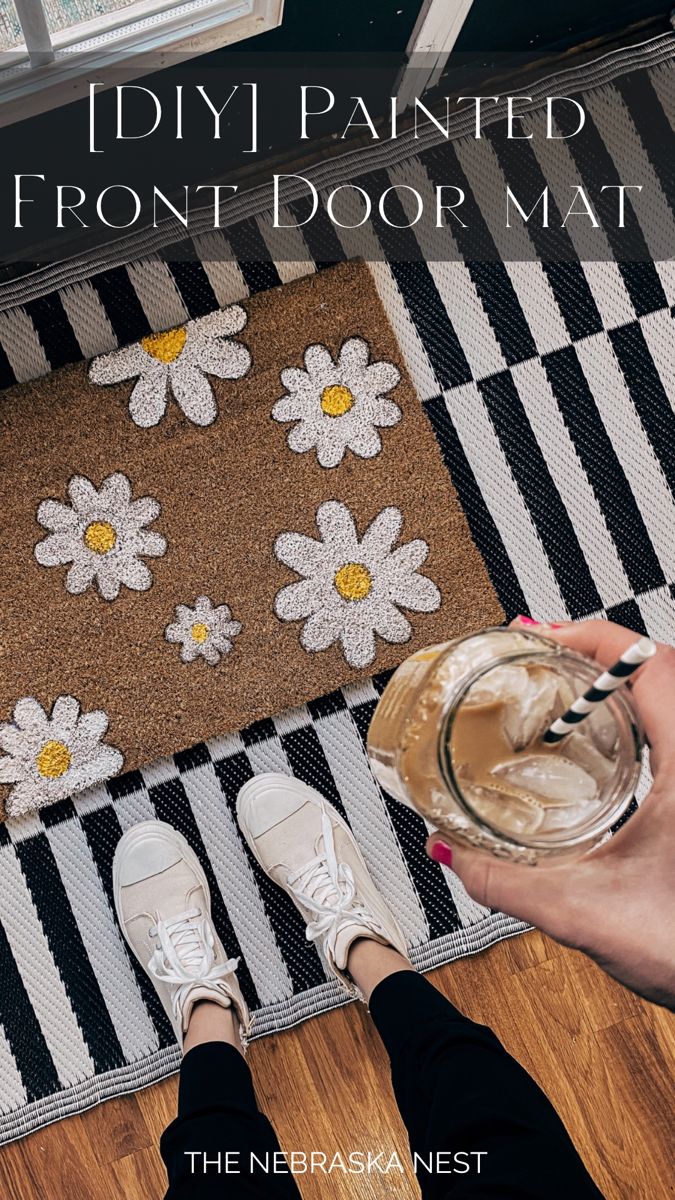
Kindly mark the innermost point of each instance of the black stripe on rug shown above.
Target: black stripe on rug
(323, 244)
(553, 245)
(416, 283)
(7, 376)
(193, 285)
(540, 494)
(252, 256)
(22, 1030)
(628, 613)
(61, 930)
(103, 831)
(647, 393)
(605, 473)
(54, 330)
(172, 805)
(596, 167)
(490, 277)
(300, 956)
(653, 127)
(309, 764)
(123, 308)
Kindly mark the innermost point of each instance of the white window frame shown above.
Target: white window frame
(436, 30)
(145, 36)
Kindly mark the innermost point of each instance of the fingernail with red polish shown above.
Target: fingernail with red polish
(526, 620)
(442, 853)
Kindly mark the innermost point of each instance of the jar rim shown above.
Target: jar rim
(593, 828)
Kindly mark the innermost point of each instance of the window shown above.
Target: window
(51, 49)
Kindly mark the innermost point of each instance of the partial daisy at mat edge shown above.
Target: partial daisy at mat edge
(48, 757)
(179, 359)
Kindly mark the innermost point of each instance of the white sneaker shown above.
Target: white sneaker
(164, 909)
(304, 845)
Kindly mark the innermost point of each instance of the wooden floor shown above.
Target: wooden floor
(604, 1057)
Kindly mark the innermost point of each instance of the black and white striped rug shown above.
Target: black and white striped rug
(551, 390)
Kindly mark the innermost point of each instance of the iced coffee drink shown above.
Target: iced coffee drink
(458, 735)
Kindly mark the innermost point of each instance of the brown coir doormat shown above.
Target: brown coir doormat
(213, 525)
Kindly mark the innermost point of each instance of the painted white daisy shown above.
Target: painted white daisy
(181, 357)
(203, 630)
(338, 406)
(102, 533)
(50, 757)
(352, 589)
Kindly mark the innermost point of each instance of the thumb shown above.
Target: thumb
(538, 895)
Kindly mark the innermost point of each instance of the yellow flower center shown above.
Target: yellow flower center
(200, 632)
(336, 400)
(165, 346)
(353, 581)
(100, 537)
(53, 760)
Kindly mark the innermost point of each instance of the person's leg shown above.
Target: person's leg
(163, 905)
(460, 1094)
(457, 1088)
(208, 1149)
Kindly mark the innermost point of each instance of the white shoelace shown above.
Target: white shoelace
(327, 888)
(185, 956)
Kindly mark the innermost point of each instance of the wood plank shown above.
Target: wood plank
(118, 1129)
(603, 1056)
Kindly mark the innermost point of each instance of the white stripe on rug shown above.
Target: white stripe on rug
(224, 274)
(91, 324)
(370, 821)
(504, 500)
(12, 1092)
(527, 275)
(287, 247)
(156, 289)
(22, 345)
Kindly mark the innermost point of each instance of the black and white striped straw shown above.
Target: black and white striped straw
(602, 687)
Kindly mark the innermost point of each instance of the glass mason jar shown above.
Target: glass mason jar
(412, 745)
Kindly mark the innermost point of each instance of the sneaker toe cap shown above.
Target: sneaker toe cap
(146, 858)
(266, 802)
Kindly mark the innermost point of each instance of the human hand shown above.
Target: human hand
(617, 903)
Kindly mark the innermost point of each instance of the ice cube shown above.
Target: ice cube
(566, 696)
(602, 728)
(501, 685)
(550, 777)
(531, 715)
(527, 695)
(581, 749)
(563, 816)
(508, 811)
(600, 725)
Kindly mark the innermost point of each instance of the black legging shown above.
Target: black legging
(457, 1090)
